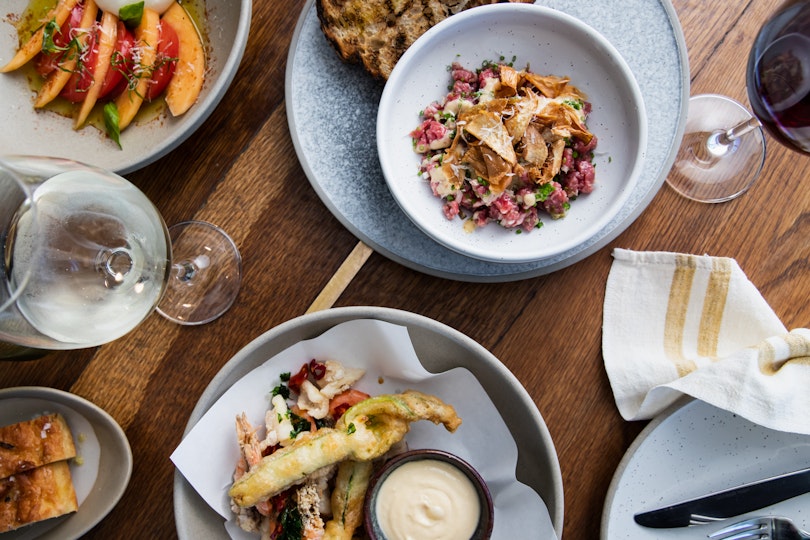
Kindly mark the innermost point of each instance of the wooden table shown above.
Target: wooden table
(240, 171)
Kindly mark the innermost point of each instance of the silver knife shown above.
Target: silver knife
(728, 503)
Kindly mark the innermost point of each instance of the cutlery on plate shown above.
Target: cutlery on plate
(762, 528)
(728, 503)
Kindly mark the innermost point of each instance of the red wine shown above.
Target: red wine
(779, 76)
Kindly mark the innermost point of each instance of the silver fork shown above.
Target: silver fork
(761, 528)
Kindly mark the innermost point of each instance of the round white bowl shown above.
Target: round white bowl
(46, 133)
(549, 42)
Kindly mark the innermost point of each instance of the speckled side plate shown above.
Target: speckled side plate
(45, 133)
(695, 449)
(332, 112)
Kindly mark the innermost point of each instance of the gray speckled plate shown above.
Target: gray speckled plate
(44, 133)
(439, 349)
(332, 112)
(694, 449)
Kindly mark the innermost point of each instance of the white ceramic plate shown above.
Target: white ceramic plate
(548, 42)
(31, 132)
(439, 348)
(103, 475)
(692, 450)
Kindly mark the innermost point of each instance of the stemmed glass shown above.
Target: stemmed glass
(87, 257)
(723, 149)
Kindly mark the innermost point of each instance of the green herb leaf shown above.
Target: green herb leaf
(281, 390)
(131, 14)
(291, 521)
(48, 44)
(112, 122)
(351, 429)
(300, 424)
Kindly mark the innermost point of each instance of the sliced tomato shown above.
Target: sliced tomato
(121, 62)
(341, 402)
(46, 62)
(78, 84)
(167, 50)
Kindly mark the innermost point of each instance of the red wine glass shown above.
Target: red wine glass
(723, 149)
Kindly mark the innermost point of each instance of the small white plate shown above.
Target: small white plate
(106, 458)
(690, 451)
(44, 133)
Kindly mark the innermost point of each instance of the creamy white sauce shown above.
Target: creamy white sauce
(114, 6)
(427, 499)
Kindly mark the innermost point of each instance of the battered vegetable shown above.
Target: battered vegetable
(366, 431)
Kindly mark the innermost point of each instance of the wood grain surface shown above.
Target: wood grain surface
(239, 170)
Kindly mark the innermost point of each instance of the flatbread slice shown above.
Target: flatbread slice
(36, 495)
(33, 443)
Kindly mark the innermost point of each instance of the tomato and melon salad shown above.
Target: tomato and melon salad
(115, 55)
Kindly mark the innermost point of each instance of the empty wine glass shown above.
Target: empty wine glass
(723, 148)
(87, 257)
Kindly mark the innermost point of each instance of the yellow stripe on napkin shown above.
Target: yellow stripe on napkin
(677, 306)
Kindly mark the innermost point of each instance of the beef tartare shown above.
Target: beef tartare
(506, 146)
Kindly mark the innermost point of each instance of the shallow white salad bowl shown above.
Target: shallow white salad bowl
(548, 42)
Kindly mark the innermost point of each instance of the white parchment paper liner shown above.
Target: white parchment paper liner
(207, 455)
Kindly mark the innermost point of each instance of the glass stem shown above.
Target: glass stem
(185, 270)
(739, 130)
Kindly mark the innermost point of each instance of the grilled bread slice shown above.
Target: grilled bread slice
(33, 443)
(375, 33)
(36, 495)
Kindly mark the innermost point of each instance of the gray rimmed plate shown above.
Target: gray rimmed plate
(106, 458)
(439, 348)
(332, 112)
(31, 132)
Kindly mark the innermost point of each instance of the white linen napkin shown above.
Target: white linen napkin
(677, 324)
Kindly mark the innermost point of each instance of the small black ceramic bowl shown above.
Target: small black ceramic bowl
(374, 523)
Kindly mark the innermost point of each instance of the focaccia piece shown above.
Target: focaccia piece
(37, 442)
(36, 495)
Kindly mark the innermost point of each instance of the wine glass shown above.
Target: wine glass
(87, 257)
(723, 148)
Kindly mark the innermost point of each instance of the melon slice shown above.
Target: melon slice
(189, 73)
(59, 77)
(146, 38)
(30, 48)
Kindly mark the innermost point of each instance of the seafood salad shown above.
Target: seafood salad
(306, 476)
(506, 146)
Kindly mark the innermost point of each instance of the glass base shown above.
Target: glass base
(709, 168)
(206, 274)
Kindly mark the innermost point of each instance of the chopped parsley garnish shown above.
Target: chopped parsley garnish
(281, 390)
(291, 522)
(299, 423)
(574, 103)
(48, 44)
(544, 191)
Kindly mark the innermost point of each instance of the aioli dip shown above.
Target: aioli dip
(427, 499)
